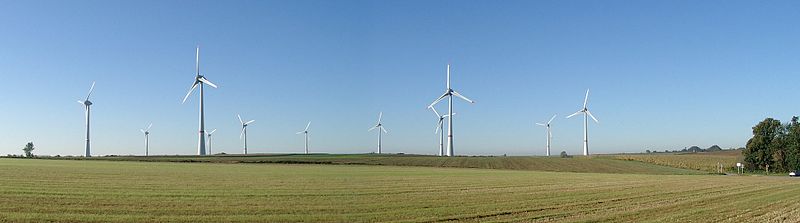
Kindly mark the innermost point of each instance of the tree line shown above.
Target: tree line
(775, 146)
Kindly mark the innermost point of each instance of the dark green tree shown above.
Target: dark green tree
(793, 145)
(29, 149)
(766, 141)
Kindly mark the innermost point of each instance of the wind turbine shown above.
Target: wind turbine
(549, 133)
(380, 128)
(210, 141)
(439, 129)
(448, 93)
(586, 115)
(244, 131)
(306, 133)
(199, 80)
(147, 139)
(88, 105)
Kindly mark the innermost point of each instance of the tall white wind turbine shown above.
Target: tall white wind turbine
(439, 129)
(244, 131)
(306, 135)
(210, 141)
(146, 133)
(549, 134)
(199, 80)
(381, 130)
(449, 93)
(88, 105)
(586, 115)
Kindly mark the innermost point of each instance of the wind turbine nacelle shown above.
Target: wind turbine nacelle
(87, 102)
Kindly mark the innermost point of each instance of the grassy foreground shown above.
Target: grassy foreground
(104, 191)
(593, 164)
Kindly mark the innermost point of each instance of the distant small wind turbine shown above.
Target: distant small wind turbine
(439, 129)
(380, 128)
(549, 134)
(88, 105)
(586, 115)
(449, 93)
(200, 80)
(210, 141)
(306, 135)
(147, 139)
(244, 131)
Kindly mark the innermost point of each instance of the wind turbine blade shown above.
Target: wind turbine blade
(242, 133)
(298, 133)
(370, 129)
(586, 99)
(384, 130)
(80, 102)
(309, 124)
(590, 115)
(448, 76)
(149, 126)
(197, 60)
(240, 119)
(551, 119)
(142, 130)
(91, 89)
(204, 80)
(380, 115)
(190, 92)
(441, 121)
(462, 97)
(576, 113)
(439, 99)
(541, 124)
(434, 111)
(212, 131)
(445, 116)
(248, 122)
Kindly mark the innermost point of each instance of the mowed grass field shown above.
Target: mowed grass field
(120, 191)
(593, 164)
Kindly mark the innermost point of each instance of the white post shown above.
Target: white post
(201, 140)
(585, 133)
(88, 152)
(245, 141)
(450, 124)
(146, 144)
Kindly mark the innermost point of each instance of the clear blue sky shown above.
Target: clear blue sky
(663, 74)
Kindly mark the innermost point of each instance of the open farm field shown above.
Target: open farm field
(707, 162)
(119, 191)
(592, 164)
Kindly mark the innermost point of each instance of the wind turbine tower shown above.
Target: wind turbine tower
(586, 115)
(244, 131)
(147, 139)
(449, 93)
(439, 129)
(199, 80)
(381, 130)
(549, 134)
(88, 105)
(305, 132)
(210, 141)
